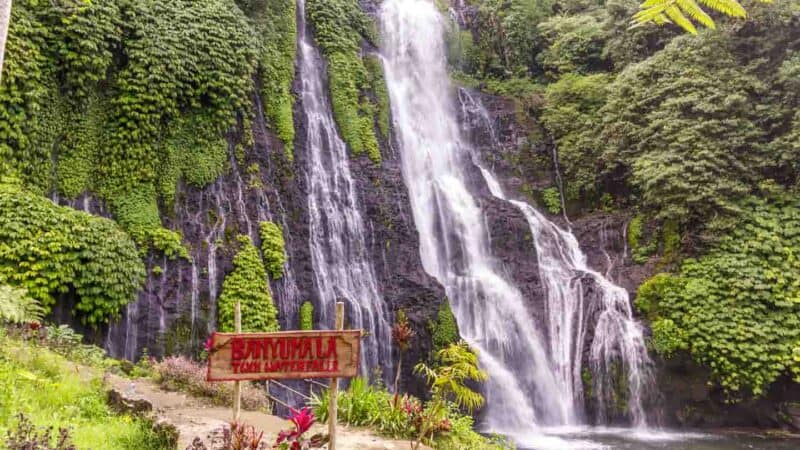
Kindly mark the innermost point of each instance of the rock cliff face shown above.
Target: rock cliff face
(176, 309)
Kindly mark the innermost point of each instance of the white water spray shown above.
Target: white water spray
(339, 252)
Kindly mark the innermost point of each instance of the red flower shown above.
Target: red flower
(34, 326)
(207, 345)
(302, 419)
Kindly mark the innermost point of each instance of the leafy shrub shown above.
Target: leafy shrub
(307, 316)
(273, 248)
(667, 338)
(737, 308)
(49, 250)
(552, 200)
(445, 330)
(401, 417)
(181, 373)
(571, 113)
(247, 284)
(572, 44)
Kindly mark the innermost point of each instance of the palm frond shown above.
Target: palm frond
(17, 307)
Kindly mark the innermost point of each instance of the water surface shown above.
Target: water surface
(580, 438)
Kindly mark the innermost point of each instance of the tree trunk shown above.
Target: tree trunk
(5, 19)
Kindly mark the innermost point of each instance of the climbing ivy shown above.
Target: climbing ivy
(307, 316)
(273, 248)
(339, 27)
(192, 152)
(125, 98)
(736, 309)
(247, 284)
(276, 22)
(51, 250)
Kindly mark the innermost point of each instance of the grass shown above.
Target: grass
(54, 392)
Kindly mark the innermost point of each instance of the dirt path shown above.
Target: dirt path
(194, 417)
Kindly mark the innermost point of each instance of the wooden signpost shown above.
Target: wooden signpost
(330, 354)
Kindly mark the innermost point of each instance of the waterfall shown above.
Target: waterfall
(454, 239)
(537, 373)
(339, 252)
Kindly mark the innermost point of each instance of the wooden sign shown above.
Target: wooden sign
(284, 355)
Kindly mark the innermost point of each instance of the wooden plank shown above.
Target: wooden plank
(333, 408)
(237, 387)
(284, 355)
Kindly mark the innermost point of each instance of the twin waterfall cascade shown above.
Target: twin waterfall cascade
(339, 252)
(534, 375)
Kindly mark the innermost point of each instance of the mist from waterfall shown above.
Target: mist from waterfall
(535, 373)
(339, 252)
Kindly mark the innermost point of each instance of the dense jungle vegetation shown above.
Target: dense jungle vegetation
(696, 136)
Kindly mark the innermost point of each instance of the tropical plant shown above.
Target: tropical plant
(675, 11)
(448, 381)
(307, 316)
(247, 284)
(294, 439)
(17, 307)
(402, 333)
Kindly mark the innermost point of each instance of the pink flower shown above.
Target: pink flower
(302, 419)
(207, 345)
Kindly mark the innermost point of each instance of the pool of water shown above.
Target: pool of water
(580, 438)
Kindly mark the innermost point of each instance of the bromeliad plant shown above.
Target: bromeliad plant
(294, 439)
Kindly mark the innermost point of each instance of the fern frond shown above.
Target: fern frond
(694, 11)
(679, 19)
(728, 7)
(649, 14)
(17, 307)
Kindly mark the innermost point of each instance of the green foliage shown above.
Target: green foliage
(247, 284)
(552, 200)
(459, 366)
(17, 307)
(507, 36)
(137, 212)
(194, 152)
(276, 22)
(123, 98)
(738, 307)
(634, 233)
(307, 316)
(445, 330)
(400, 417)
(571, 111)
(675, 11)
(273, 248)
(672, 144)
(377, 83)
(51, 250)
(339, 26)
(667, 338)
(574, 44)
(44, 387)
